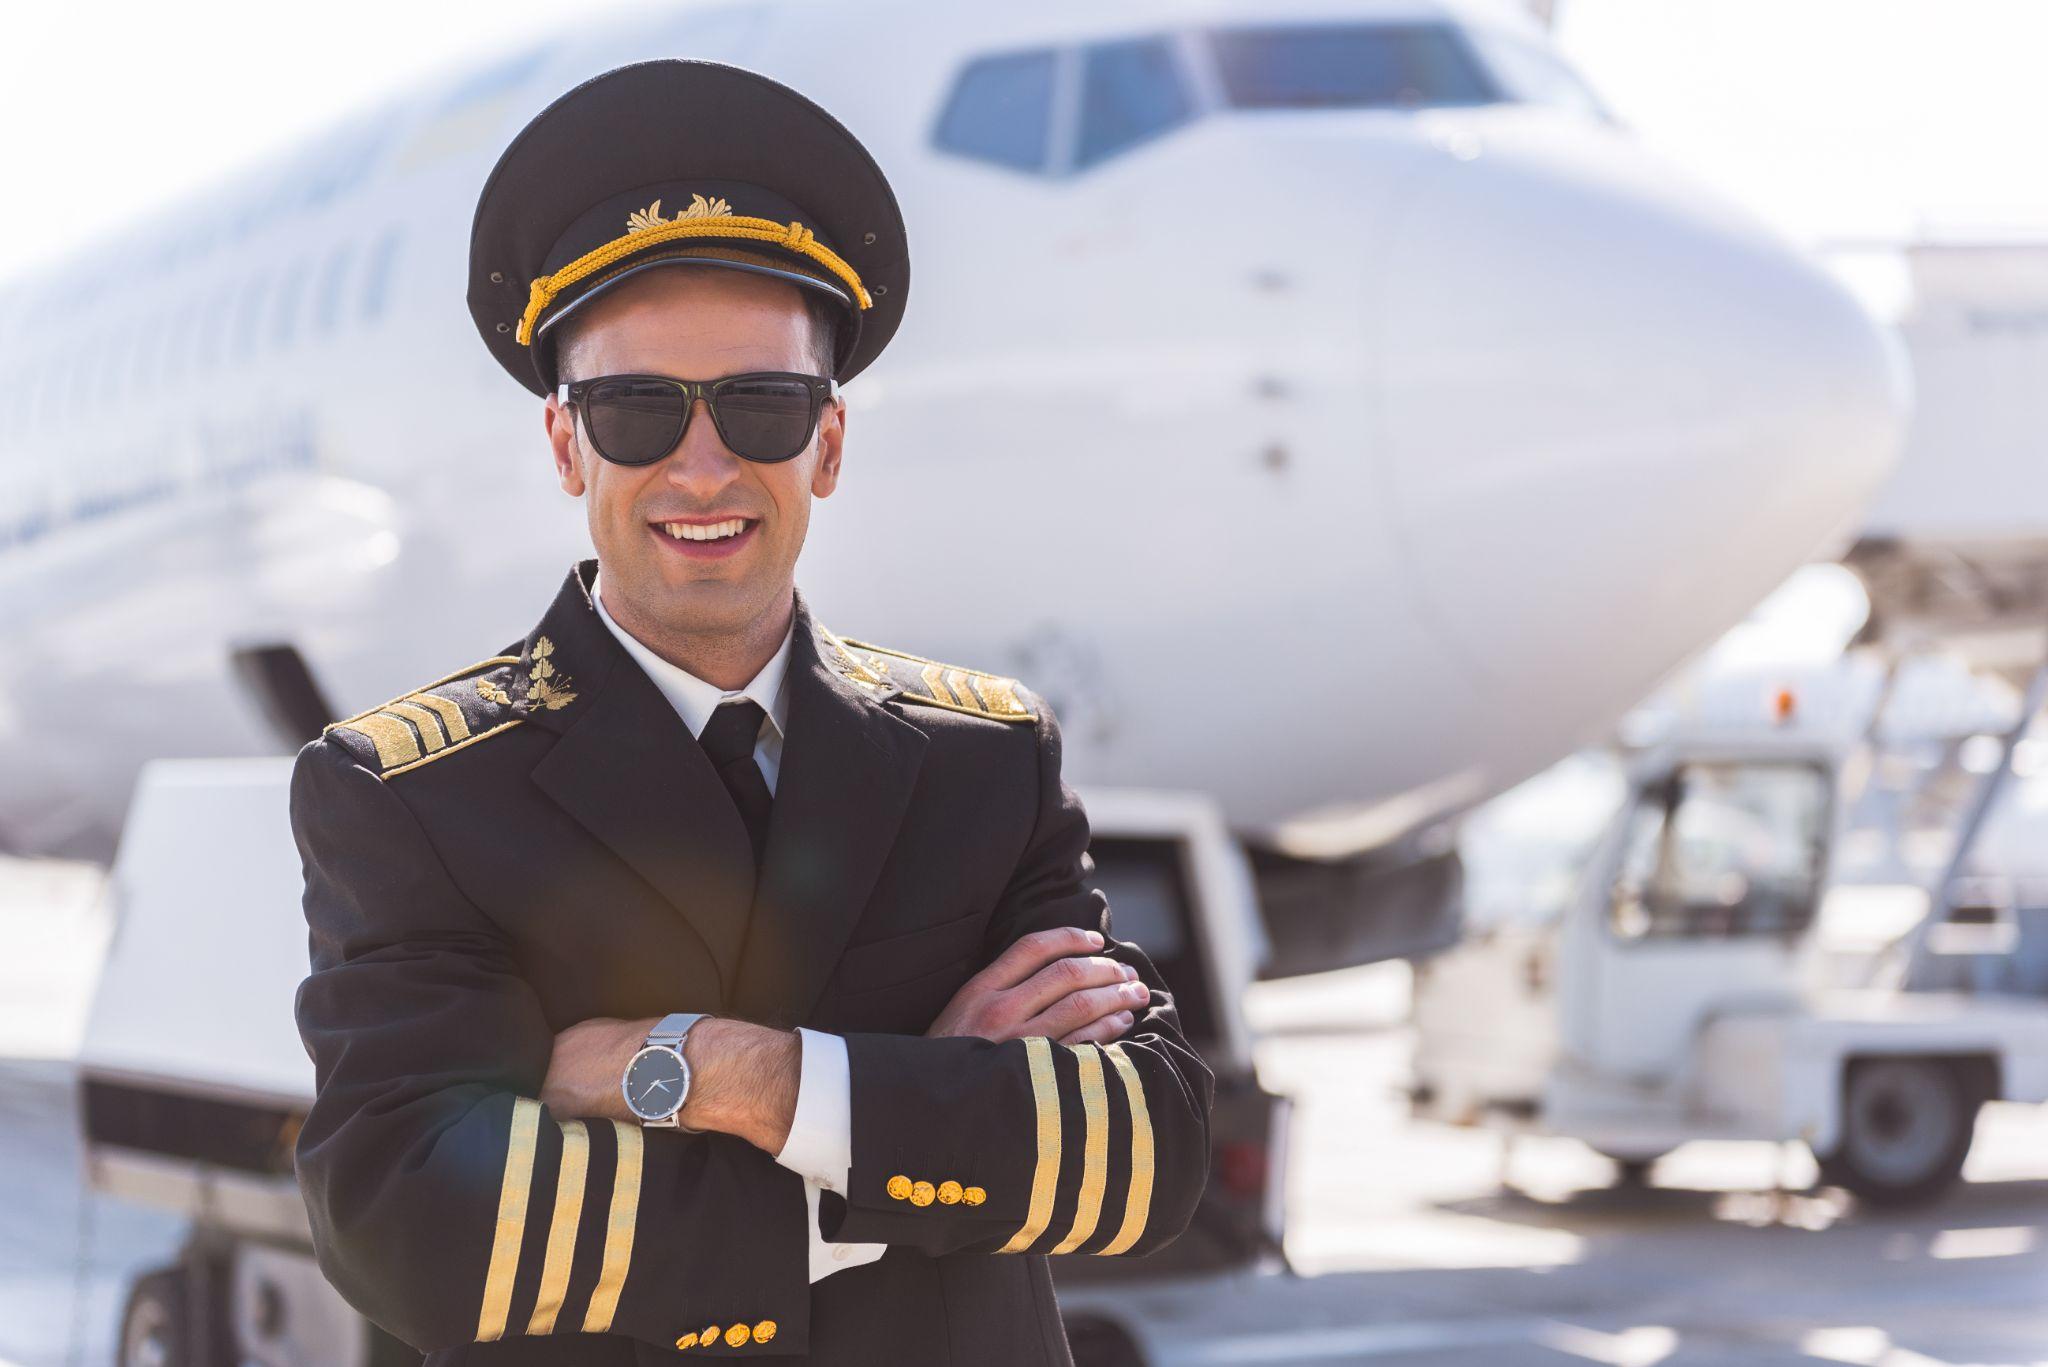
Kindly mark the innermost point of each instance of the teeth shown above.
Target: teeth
(710, 531)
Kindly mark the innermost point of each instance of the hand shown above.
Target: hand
(589, 1060)
(1047, 983)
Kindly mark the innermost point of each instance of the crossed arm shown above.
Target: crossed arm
(744, 1077)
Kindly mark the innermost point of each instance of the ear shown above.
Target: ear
(831, 440)
(568, 452)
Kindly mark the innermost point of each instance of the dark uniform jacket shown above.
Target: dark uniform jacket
(538, 840)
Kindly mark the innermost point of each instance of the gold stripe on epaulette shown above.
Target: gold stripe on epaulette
(451, 749)
(462, 673)
(956, 687)
(423, 721)
(417, 727)
(396, 744)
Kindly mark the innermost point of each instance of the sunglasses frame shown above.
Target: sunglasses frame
(821, 387)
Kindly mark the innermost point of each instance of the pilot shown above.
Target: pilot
(686, 977)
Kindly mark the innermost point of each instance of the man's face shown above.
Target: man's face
(695, 323)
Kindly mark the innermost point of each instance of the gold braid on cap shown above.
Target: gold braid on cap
(792, 235)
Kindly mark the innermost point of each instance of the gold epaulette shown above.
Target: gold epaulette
(437, 718)
(916, 679)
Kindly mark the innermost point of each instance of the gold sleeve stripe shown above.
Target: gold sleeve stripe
(448, 710)
(1095, 1150)
(618, 1234)
(1045, 1093)
(554, 1272)
(490, 1321)
(392, 737)
(1140, 1201)
(422, 721)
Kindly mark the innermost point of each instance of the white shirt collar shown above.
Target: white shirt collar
(694, 699)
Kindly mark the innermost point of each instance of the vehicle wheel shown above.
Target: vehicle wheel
(1906, 1128)
(154, 1325)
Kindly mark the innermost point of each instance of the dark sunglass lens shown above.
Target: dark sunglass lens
(633, 421)
(765, 419)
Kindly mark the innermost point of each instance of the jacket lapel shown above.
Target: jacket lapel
(627, 768)
(848, 767)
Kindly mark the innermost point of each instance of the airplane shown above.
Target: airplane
(1327, 405)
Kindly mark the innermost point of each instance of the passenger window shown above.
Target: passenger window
(327, 307)
(1315, 66)
(1130, 92)
(1001, 110)
(377, 275)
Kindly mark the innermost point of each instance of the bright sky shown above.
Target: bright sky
(1832, 118)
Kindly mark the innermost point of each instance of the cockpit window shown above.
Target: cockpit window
(1315, 66)
(1530, 75)
(1001, 110)
(1130, 91)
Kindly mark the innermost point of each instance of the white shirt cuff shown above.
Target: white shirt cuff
(820, 1145)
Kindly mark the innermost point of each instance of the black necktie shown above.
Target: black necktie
(728, 740)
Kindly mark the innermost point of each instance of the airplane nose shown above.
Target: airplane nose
(1615, 413)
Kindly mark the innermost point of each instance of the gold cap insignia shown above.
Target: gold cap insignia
(649, 218)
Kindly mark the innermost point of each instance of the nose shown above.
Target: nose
(700, 461)
(1615, 413)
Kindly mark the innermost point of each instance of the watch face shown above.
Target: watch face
(655, 1082)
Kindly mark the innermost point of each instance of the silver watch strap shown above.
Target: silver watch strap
(671, 1028)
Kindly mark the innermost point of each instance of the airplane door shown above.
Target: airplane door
(1711, 887)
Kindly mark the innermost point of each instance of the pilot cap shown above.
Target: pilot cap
(677, 162)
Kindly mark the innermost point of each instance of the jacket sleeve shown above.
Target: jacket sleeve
(1028, 1146)
(446, 1203)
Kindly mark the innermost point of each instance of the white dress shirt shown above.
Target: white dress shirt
(820, 1144)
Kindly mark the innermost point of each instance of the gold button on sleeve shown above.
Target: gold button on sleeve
(735, 1336)
(687, 1341)
(974, 1196)
(949, 1193)
(709, 1335)
(899, 1188)
(764, 1331)
(922, 1194)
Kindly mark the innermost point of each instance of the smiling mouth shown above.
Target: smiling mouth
(706, 531)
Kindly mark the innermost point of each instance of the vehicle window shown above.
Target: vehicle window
(1130, 92)
(1531, 75)
(1001, 110)
(1725, 850)
(1309, 66)
(1151, 904)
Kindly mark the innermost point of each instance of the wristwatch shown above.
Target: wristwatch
(657, 1079)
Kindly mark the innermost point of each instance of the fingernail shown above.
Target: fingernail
(1137, 991)
(1128, 971)
(1095, 939)
(1124, 1019)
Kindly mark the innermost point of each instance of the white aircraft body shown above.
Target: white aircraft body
(1326, 405)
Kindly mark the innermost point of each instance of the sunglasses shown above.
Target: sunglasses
(762, 415)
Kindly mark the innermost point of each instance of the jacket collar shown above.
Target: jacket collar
(627, 768)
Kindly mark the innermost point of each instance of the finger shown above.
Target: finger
(1078, 1009)
(1032, 952)
(1064, 977)
(1108, 1028)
